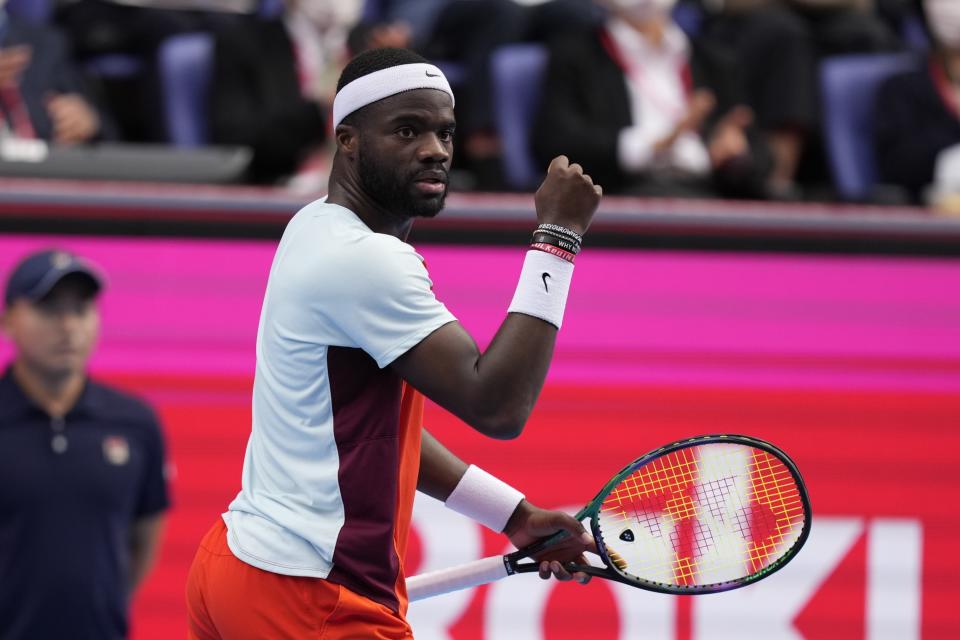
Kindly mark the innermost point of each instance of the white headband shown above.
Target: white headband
(385, 83)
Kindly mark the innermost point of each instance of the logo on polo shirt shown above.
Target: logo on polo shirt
(116, 450)
(61, 260)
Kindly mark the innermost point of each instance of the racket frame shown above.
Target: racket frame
(512, 561)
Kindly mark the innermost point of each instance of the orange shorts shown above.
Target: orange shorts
(228, 599)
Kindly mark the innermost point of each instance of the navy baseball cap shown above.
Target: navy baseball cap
(39, 273)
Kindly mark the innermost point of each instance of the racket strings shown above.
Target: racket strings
(701, 515)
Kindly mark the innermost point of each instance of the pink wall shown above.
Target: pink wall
(191, 306)
(799, 350)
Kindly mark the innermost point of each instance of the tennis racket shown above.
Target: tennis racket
(701, 515)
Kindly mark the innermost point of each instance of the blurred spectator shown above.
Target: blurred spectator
(273, 84)
(647, 112)
(227, 6)
(138, 26)
(917, 114)
(778, 44)
(899, 16)
(466, 32)
(119, 39)
(41, 93)
(378, 35)
(81, 466)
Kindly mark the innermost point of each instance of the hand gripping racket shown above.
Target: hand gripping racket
(701, 515)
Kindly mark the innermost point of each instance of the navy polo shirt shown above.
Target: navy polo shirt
(66, 512)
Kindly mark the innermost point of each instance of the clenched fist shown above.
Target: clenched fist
(567, 196)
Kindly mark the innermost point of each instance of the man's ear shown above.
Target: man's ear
(5, 320)
(348, 139)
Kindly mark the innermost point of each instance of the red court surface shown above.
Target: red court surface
(851, 365)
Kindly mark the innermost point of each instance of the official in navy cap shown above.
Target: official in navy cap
(82, 483)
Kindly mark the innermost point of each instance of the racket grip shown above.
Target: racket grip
(472, 574)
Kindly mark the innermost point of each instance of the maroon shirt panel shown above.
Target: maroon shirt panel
(366, 427)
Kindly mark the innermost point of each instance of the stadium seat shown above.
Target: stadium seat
(517, 70)
(270, 9)
(31, 10)
(373, 11)
(913, 32)
(849, 85)
(689, 17)
(185, 64)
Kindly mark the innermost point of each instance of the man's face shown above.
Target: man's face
(55, 335)
(405, 150)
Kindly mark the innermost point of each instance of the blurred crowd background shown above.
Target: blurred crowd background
(724, 298)
(788, 100)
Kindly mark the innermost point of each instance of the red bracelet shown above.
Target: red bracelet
(557, 251)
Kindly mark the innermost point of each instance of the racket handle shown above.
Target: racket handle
(472, 574)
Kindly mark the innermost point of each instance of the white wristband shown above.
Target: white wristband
(543, 287)
(484, 498)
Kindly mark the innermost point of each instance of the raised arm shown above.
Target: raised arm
(495, 391)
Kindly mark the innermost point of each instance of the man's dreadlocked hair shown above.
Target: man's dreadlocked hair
(375, 60)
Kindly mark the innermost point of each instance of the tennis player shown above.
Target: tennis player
(350, 335)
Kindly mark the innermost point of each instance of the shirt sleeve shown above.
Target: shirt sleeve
(154, 494)
(388, 305)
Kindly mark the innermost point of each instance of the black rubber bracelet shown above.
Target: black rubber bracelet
(573, 235)
(557, 241)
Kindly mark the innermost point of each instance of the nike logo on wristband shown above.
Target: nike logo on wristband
(545, 276)
(432, 75)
